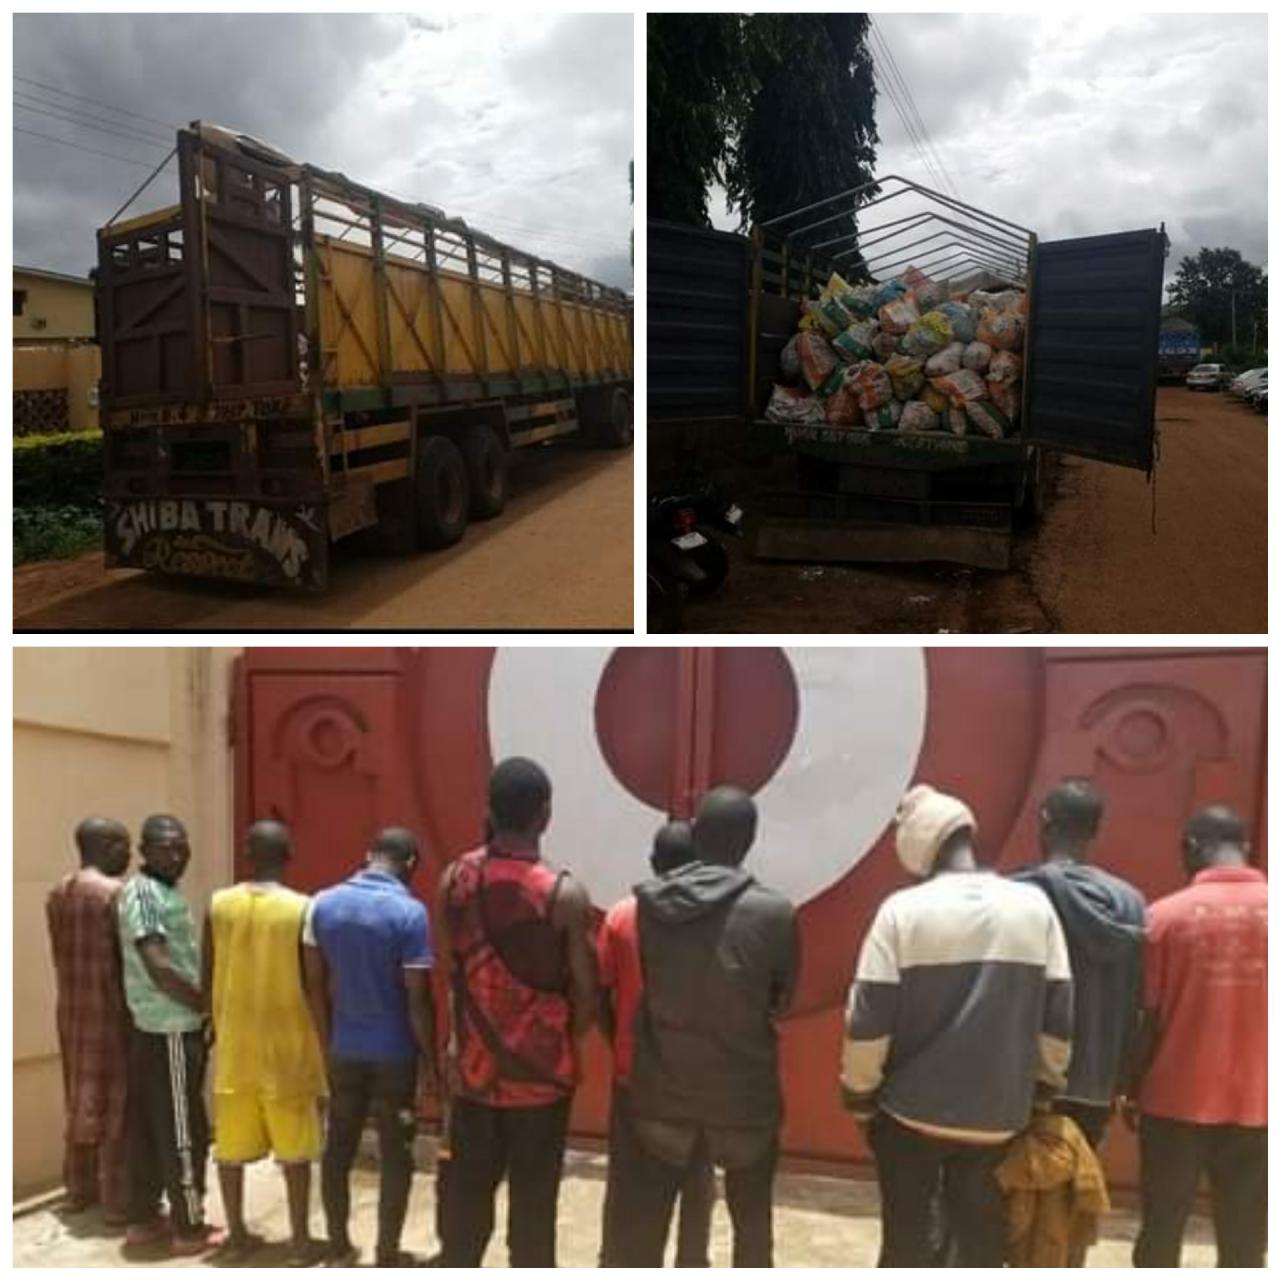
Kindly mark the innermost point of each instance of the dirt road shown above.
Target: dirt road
(1094, 565)
(559, 557)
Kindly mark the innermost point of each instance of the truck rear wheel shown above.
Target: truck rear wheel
(617, 430)
(485, 458)
(396, 532)
(441, 485)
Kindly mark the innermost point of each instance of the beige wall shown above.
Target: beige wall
(122, 732)
(64, 306)
(77, 368)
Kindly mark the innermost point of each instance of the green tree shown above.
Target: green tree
(810, 131)
(1207, 286)
(700, 84)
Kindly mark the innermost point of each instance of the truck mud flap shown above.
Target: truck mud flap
(273, 544)
(829, 528)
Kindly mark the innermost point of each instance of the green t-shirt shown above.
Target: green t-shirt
(149, 908)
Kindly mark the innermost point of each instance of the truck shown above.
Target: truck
(1179, 350)
(291, 358)
(723, 305)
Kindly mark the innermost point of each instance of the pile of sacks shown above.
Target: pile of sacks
(909, 355)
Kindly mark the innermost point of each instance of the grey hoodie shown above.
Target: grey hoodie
(719, 957)
(1104, 920)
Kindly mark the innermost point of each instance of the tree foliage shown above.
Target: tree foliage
(1202, 293)
(778, 107)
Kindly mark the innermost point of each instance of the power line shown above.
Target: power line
(83, 113)
(887, 85)
(124, 111)
(81, 123)
(48, 137)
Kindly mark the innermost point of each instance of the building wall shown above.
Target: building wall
(64, 306)
(74, 370)
(122, 732)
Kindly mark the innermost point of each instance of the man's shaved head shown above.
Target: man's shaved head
(1215, 836)
(396, 850)
(103, 843)
(268, 846)
(725, 826)
(672, 847)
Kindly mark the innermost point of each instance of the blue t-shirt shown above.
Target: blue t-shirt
(370, 929)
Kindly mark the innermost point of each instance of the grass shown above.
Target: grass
(54, 533)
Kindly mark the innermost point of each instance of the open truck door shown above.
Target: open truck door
(1092, 346)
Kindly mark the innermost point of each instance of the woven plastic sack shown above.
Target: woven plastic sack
(977, 356)
(861, 300)
(841, 409)
(1004, 300)
(888, 292)
(931, 295)
(946, 361)
(987, 419)
(835, 380)
(1002, 329)
(817, 360)
(870, 383)
(917, 416)
(960, 387)
(898, 316)
(956, 421)
(832, 315)
(883, 416)
(913, 278)
(1005, 367)
(789, 360)
(906, 374)
(885, 345)
(1007, 397)
(963, 320)
(934, 399)
(791, 405)
(855, 343)
(928, 335)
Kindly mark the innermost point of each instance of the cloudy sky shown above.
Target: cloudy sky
(520, 124)
(1081, 124)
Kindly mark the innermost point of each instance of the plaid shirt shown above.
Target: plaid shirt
(93, 1022)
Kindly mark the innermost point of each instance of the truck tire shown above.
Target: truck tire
(485, 458)
(441, 490)
(396, 533)
(617, 430)
(666, 604)
(1033, 495)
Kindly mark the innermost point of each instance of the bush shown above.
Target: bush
(48, 533)
(59, 471)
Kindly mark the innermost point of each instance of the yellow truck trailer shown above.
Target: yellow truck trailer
(290, 358)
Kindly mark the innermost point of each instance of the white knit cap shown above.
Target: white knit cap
(926, 820)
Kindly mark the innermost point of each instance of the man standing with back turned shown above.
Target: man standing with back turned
(368, 969)
(1202, 1058)
(522, 981)
(720, 958)
(959, 1014)
(93, 1022)
(268, 1071)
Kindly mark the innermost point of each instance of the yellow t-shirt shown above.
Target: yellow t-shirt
(266, 1042)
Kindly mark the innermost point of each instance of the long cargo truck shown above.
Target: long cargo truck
(291, 358)
(722, 306)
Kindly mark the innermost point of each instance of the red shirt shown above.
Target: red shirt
(618, 952)
(1206, 984)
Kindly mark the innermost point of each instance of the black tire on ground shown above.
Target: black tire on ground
(617, 430)
(1034, 494)
(485, 458)
(665, 602)
(396, 532)
(441, 490)
(713, 560)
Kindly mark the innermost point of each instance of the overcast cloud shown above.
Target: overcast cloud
(520, 124)
(1080, 124)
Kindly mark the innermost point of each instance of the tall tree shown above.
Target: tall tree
(810, 132)
(1204, 289)
(700, 85)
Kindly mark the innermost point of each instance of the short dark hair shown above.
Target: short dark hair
(159, 826)
(519, 790)
(1075, 807)
(396, 844)
(672, 846)
(93, 833)
(1216, 826)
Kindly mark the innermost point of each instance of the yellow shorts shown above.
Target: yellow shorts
(248, 1127)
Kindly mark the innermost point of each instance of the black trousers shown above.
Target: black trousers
(917, 1173)
(167, 1128)
(697, 1192)
(358, 1090)
(1173, 1156)
(526, 1146)
(646, 1194)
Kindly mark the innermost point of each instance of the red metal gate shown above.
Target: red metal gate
(342, 741)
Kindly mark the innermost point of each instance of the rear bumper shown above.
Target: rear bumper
(269, 543)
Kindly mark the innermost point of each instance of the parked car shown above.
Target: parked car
(1207, 377)
(1258, 388)
(1260, 401)
(1248, 381)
